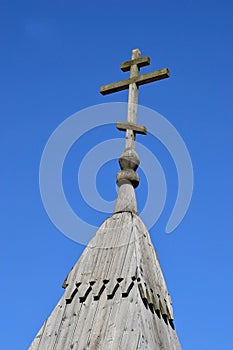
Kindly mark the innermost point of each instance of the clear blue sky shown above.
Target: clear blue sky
(54, 56)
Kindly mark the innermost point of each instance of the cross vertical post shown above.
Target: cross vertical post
(132, 101)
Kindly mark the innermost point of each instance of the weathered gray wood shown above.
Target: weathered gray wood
(115, 296)
(132, 84)
(132, 100)
(140, 62)
(123, 250)
(153, 76)
(126, 199)
(140, 80)
(137, 128)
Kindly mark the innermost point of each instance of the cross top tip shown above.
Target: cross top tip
(136, 53)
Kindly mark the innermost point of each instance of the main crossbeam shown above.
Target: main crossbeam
(139, 80)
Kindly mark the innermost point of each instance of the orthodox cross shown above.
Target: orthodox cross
(133, 83)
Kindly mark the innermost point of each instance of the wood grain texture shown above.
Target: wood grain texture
(140, 62)
(132, 100)
(126, 199)
(137, 128)
(140, 80)
(115, 296)
(121, 258)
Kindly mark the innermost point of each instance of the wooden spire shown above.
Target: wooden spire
(116, 296)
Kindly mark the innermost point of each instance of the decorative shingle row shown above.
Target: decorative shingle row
(152, 300)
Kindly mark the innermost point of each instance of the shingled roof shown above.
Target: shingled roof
(115, 296)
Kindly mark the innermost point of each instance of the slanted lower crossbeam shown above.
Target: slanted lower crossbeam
(136, 128)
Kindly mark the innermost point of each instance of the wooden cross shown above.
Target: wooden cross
(132, 84)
